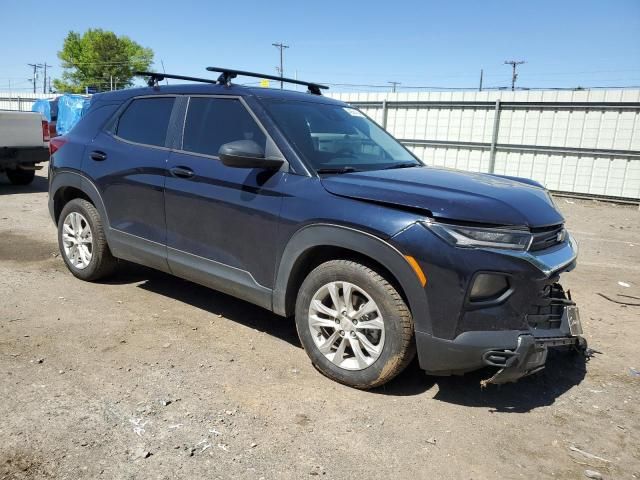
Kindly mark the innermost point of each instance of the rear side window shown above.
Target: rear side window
(212, 122)
(146, 121)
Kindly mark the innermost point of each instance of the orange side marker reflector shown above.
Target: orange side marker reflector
(416, 268)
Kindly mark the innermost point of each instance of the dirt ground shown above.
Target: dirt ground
(149, 376)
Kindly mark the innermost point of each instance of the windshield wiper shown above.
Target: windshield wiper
(402, 165)
(337, 170)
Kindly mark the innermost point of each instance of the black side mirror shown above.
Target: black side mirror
(246, 154)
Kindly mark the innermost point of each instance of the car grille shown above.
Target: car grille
(547, 237)
(546, 313)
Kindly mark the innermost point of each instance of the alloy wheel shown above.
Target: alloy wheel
(346, 325)
(77, 240)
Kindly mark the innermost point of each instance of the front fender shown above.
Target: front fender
(364, 243)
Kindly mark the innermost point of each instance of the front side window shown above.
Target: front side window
(337, 138)
(212, 122)
(146, 120)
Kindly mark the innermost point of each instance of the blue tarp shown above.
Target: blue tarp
(71, 108)
(43, 106)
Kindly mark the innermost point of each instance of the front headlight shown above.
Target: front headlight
(477, 237)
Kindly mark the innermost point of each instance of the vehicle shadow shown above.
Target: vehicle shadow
(564, 370)
(208, 300)
(39, 185)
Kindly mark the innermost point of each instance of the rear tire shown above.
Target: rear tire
(342, 301)
(82, 241)
(18, 176)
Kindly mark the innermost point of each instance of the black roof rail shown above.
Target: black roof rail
(156, 77)
(226, 74)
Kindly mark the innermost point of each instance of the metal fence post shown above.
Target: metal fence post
(19, 104)
(494, 138)
(384, 114)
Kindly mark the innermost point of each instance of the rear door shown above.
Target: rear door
(128, 164)
(222, 221)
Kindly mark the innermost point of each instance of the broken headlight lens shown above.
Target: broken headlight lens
(480, 237)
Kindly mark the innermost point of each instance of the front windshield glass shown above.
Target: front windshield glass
(333, 138)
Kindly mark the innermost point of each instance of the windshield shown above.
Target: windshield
(337, 139)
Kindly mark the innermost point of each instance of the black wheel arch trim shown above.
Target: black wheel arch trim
(364, 243)
(74, 179)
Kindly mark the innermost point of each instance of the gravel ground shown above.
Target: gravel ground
(149, 376)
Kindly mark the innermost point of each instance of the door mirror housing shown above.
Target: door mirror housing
(247, 154)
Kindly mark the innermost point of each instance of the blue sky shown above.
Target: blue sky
(419, 43)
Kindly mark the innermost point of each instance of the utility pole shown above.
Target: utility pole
(281, 46)
(35, 74)
(44, 83)
(514, 75)
(393, 86)
(480, 87)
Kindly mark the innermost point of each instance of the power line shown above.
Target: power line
(281, 46)
(514, 76)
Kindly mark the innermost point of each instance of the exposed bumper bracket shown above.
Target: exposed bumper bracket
(528, 358)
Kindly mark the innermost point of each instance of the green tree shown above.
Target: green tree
(97, 58)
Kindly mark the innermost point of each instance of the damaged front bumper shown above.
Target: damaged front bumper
(515, 353)
(530, 354)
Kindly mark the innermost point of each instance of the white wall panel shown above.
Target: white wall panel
(587, 128)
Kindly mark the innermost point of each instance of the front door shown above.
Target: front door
(222, 221)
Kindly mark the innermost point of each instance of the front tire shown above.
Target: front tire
(354, 325)
(18, 176)
(82, 241)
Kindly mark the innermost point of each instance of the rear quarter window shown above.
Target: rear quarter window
(145, 121)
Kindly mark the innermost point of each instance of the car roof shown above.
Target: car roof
(210, 89)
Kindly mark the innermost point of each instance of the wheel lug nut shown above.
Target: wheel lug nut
(353, 334)
(337, 321)
(342, 333)
(355, 321)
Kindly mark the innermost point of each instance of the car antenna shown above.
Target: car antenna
(227, 74)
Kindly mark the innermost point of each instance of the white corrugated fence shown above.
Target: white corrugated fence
(585, 142)
(21, 101)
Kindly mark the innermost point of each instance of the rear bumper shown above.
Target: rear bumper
(15, 157)
(517, 353)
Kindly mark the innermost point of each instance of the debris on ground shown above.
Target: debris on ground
(588, 455)
(621, 302)
(141, 453)
(138, 426)
(634, 372)
(593, 474)
(624, 284)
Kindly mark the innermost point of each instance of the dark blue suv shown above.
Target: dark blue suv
(303, 205)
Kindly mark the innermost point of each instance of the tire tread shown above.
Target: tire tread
(407, 351)
(105, 262)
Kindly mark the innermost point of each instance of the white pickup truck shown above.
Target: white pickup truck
(24, 143)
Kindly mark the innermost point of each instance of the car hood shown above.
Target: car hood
(452, 194)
